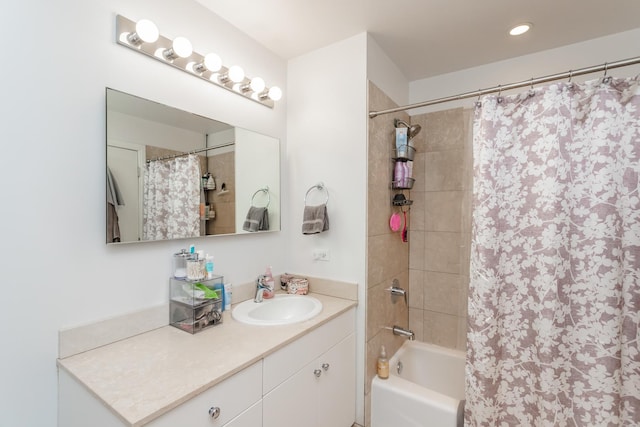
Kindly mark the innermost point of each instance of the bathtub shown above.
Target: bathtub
(425, 388)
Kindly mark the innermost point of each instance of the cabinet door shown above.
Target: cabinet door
(292, 403)
(337, 385)
(252, 417)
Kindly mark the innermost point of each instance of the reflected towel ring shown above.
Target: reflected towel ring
(262, 190)
(320, 187)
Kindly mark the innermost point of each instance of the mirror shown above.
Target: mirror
(173, 174)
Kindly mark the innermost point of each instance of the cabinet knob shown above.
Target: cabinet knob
(317, 373)
(214, 412)
(325, 366)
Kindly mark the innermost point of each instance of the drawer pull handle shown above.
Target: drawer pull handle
(214, 412)
(325, 366)
(317, 373)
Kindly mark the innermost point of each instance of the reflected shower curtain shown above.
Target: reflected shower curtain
(554, 298)
(172, 198)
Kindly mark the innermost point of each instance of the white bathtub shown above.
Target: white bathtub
(428, 391)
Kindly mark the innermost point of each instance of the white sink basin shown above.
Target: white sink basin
(279, 310)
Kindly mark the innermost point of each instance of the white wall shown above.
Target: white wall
(579, 55)
(326, 142)
(57, 270)
(385, 74)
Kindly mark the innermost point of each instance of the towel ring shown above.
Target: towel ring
(320, 187)
(262, 190)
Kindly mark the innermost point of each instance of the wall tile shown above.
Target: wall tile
(416, 323)
(441, 329)
(443, 211)
(416, 213)
(416, 288)
(446, 130)
(442, 292)
(417, 250)
(387, 256)
(443, 170)
(442, 252)
(382, 312)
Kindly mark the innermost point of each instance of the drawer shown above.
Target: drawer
(252, 417)
(290, 359)
(233, 396)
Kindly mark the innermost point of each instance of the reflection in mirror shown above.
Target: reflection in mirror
(173, 174)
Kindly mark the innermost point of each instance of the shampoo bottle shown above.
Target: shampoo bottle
(383, 364)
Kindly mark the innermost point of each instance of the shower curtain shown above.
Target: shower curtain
(172, 198)
(554, 298)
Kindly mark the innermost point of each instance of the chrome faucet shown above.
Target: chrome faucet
(260, 288)
(397, 330)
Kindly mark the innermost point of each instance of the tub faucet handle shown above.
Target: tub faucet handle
(397, 291)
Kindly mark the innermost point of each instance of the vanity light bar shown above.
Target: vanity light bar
(144, 37)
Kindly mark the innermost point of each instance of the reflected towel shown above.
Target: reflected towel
(257, 219)
(315, 219)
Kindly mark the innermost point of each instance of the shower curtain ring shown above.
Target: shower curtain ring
(606, 79)
(499, 94)
(532, 92)
(570, 76)
(478, 103)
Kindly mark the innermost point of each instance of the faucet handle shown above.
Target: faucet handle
(397, 291)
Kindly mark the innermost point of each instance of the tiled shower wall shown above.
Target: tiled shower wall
(440, 228)
(387, 255)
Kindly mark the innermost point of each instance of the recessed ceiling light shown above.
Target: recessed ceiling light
(520, 29)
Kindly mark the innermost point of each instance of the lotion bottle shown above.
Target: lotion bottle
(383, 364)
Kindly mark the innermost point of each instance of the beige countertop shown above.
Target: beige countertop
(142, 377)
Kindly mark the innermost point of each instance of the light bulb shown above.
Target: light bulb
(182, 47)
(275, 93)
(520, 29)
(257, 84)
(212, 62)
(236, 74)
(147, 31)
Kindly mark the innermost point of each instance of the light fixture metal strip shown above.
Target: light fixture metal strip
(154, 50)
(501, 88)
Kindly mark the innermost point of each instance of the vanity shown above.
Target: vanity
(233, 375)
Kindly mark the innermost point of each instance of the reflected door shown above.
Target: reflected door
(124, 163)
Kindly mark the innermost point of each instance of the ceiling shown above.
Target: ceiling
(425, 38)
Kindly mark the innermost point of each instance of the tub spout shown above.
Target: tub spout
(397, 330)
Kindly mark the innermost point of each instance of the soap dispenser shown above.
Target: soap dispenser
(270, 284)
(383, 364)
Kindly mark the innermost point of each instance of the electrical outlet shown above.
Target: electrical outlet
(321, 255)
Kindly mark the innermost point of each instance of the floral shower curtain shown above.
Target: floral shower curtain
(554, 298)
(172, 198)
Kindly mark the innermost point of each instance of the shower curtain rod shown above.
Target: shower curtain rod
(533, 81)
(199, 150)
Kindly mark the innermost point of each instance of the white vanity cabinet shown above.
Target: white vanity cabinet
(303, 376)
(311, 382)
